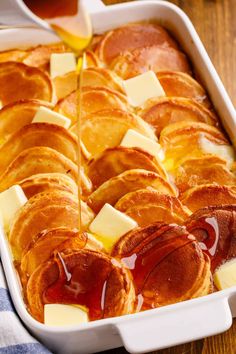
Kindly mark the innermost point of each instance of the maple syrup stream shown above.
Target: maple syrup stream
(71, 22)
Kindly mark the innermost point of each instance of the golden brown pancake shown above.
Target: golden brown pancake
(129, 37)
(153, 58)
(209, 194)
(46, 211)
(99, 77)
(13, 55)
(64, 85)
(182, 140)
(42, 248)
(114, 161)
(40, 56)
(49, 242)
(167, 264)
(37, 160)
(160, 112)
(116, 187)
(92, 59)
(45, 182)
(38, 134)
(147, 206)
(177, 84)
(180, 129)
(106, 129)
(23, 82)
(93, 76)
(16, 115)
(49, 284)
(202, 170)
(215, 229)
(93, 99)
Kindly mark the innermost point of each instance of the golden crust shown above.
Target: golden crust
(46, 211)
(115, 188)
(38, 134)
(202, 170)
(119, 291)
(153, 58)
(209, 194)
(147, 206)
(164, 254)
(92, 76)
(45, 182)
(64, 85)
(23, 82)
(160, 112)
(105, 129)
(93, 99)
(177, 130)
(16, 115)
(99, 77)
(39, 56)
(37, 160)
(49, 242)
(12, 55)
(92, 60)
(177, 84)
(115, 161)
(43, 246)
(130, 37)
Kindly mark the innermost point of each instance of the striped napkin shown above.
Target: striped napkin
(14, 338)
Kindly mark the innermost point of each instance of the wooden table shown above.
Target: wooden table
(215, 22)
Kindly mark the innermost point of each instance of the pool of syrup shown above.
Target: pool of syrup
(84, 285)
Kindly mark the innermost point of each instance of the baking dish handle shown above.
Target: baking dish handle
(158, 329)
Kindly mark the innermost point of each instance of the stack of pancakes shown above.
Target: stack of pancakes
(179, 204)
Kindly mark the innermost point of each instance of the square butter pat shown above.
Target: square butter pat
(225, 276)
(61, 64)
(135, 139)
(64, 315)
(11, 200)
(111, 223)
(45, 115)
(142, 87)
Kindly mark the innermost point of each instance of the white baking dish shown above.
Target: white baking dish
(170, 325)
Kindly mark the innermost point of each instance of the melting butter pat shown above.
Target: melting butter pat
(62, 63)
(225, 276)
(142, 87)
(11, 200)
(45, 115)
(226, 152)
(135, 139)
(64, 315)
(111, 224)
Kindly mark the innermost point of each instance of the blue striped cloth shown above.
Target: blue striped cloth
(14, 338)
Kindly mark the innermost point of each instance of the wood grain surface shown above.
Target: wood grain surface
(215, 22)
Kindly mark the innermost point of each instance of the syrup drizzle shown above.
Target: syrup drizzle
(70, 20)
(214, 237)
(210, 244)
(84, 284)
(142, 263)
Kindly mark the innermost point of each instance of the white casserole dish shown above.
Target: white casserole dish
(169, 325)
